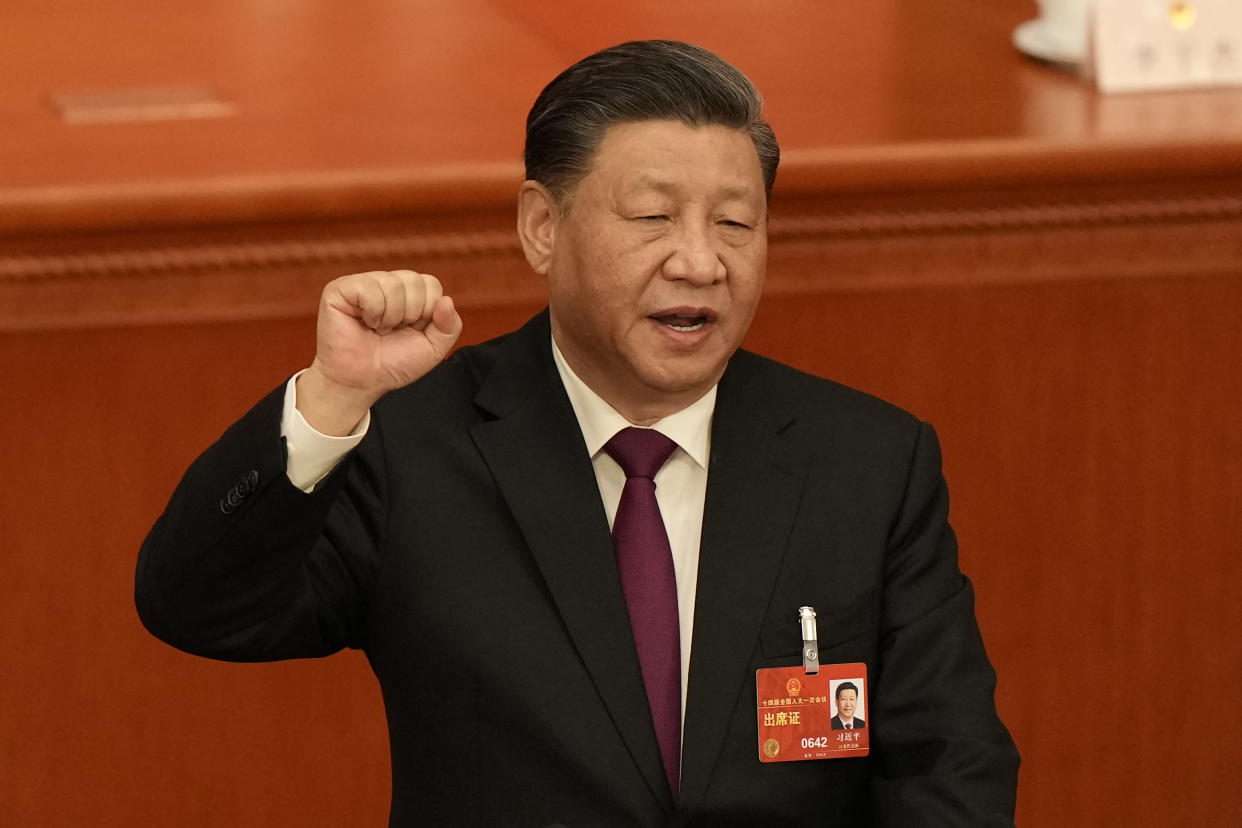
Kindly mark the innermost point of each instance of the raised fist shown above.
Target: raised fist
(377, 331)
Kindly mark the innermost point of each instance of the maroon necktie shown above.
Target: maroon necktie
(645, 561)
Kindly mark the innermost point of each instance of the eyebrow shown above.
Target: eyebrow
(664, 187)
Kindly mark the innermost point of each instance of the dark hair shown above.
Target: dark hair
(642, 80)
(846, 685)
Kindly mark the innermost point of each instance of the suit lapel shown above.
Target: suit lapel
(535, 450)
(753, 488)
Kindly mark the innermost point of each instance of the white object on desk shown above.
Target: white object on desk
(1059, 34)
(1166, 44)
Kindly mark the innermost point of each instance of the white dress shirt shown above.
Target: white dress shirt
(681, 484)
(310, 454)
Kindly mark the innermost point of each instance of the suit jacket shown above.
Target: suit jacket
(837, 724)
(465, 548)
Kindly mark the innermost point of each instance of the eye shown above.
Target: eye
(652, 218)
(732, 223)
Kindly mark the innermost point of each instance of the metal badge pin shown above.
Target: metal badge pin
(810, 645)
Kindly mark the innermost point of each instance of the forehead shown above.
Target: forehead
(672, 157)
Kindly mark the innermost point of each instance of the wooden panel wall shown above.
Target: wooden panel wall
(1092, 449)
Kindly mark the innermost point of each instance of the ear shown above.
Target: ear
(538, 216)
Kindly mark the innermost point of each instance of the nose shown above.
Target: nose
(694, 258)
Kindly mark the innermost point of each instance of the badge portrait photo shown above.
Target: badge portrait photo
(849, 709)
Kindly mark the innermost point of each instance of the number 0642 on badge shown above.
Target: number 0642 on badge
(822, 716)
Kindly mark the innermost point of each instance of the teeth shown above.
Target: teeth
(683, 324)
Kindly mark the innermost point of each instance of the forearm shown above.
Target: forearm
(229, 568)
(945, 757)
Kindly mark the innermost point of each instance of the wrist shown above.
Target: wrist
(328, 406)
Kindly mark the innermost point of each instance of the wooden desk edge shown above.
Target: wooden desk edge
(492, 187)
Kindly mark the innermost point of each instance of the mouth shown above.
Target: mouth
(685, 320)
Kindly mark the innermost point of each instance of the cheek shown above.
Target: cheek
(746, 272)
(588, 307)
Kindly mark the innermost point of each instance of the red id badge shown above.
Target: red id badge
(822, 716)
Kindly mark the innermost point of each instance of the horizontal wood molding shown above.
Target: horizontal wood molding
(256, 271)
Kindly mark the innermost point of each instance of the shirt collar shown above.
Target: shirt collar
(689, 428)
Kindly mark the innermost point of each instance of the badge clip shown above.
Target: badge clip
(810, 644)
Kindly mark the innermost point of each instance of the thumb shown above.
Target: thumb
(445, 327)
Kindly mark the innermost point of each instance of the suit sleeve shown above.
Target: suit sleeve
(945, 758)
(244, 566)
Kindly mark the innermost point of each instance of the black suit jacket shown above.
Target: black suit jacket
(465, 548)
(837, 724)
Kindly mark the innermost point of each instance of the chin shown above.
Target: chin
(696, 379)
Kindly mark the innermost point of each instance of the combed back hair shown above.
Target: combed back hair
(643, 80)
(846, 685)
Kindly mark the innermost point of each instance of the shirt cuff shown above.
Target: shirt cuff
(311, 455)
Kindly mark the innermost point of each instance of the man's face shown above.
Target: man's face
(847, 700)
(657, 268)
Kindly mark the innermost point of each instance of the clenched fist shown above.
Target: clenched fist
(377, 331)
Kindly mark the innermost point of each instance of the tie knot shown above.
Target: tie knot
(640, 452)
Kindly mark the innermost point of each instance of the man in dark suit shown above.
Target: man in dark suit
(847, 706)
(470, 522)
